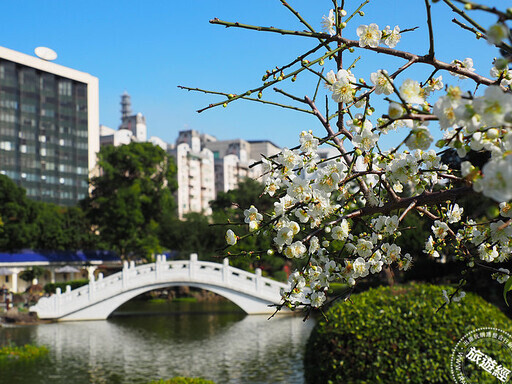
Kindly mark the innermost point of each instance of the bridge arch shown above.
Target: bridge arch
(97, 300)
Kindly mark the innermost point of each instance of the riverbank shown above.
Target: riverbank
(15, 316)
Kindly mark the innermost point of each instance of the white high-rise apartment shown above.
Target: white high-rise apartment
(196, 176)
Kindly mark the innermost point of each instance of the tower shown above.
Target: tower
(126, 105)
(136, 123)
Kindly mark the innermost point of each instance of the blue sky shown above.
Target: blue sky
(149, 48)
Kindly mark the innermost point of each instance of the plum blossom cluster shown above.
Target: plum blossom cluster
(476, 124)
(341, 217)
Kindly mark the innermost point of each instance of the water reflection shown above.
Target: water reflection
(226, 348)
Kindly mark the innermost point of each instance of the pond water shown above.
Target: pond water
(147, 341)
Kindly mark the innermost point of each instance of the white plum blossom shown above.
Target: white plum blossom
(297, 280)
(284, 237)
(503, 276)
(299, 189)
(496, 33)
(364, 248)
(231, 238)
(365, 140)
(360, 267)
(504, 73)
(454, 214)
(295, 250)
(308, 143)
(444, 109)
(458, 297)
(288, 158)
(434, 84)
(341, 231)
(420, 138)
(411, 92)
(381, 82)
(343, 89)
(440, 229)
(369, 35)
(391, 37)
(317, 299)
(501, 232)
(493, 106)
(445, 297)
(406, 262)
(395, 110)
(329, 23)
(252, 214)
(487, 253)
(272, 185)
(497, 179)
(506, 209)
(467, 64)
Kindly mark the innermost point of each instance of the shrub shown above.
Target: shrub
(23, 353)
(394, 335)
(183, 380)
(52, 287)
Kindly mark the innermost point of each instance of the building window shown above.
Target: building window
(64, 88)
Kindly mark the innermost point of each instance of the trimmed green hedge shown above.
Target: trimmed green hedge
(183, 380)
(52, 287)
(393, 335)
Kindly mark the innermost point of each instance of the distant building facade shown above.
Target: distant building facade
(207, 166)
(49, 127)
(196, 174)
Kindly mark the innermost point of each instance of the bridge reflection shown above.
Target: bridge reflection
(223, 348)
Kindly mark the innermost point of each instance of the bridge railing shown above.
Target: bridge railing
(180, 271)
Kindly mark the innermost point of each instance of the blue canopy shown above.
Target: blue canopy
(27, 256)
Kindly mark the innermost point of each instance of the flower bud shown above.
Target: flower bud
(492, 133)
(321, 62)
(395, 110)
(343, 25)
(260, 95)
(358, 152)
(270, 252)
(361, 13)
(468, 6)
(343, 13)
(294, 78)
(501, 64)
(225, 105)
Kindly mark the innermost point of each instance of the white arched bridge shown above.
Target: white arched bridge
(252, 292)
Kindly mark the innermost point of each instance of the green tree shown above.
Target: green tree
(194, 234)
(62, 228)
(17, 214)
(32, 273)
(131, 196)
(227, 207)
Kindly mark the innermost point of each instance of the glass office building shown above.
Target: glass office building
(49, 127)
